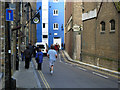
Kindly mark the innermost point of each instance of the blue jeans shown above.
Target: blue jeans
(22, 56)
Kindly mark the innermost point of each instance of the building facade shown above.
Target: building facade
(73, 23)
(56, 22)
(100, 44)
(50, 30)
(42, 27)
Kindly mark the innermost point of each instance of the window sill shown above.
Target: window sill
(102, 32)
(55, 14)
(112, 31)
(55, 29)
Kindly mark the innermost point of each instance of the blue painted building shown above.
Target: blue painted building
(56, 22)
(50, 29)
(39, 26)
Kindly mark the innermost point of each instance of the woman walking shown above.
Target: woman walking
(39, 59)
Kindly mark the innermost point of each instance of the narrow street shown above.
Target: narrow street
(68, 75)
(83, 35)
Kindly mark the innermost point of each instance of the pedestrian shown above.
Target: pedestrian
(34, 50)
(56, 47)
(31, 51)
(52, 55)
(22, 49)
(62, 46)
(37, 48)
(27, 53)
(39, 59)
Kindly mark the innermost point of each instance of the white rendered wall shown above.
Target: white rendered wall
(45, 20)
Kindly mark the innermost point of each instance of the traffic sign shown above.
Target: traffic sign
(9, 15)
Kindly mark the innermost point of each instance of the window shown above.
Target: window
(55, 12)
(45, 36)
(55, 0)
(43, 25)
(102, 26)
(55, 26)
(112, 25)
(41, 46)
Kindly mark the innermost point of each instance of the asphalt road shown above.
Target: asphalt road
(67, 75)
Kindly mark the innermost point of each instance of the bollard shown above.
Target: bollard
(13, 84)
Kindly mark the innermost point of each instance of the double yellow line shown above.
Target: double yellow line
(44, 80)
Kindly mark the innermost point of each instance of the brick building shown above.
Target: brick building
(73, 22)
(2, 43)
(100, 43)
(16, 37)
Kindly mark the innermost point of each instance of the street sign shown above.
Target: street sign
(9, 15)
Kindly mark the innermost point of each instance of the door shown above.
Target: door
(57, 40)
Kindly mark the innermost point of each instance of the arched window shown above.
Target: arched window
(112, 25)
(102, 26)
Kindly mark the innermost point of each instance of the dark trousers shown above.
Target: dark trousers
(22, 56)
(39, 66)
(27, 62)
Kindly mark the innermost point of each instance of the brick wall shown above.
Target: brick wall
(72, 9)
(68, 11)
(107, 43)
(77, 14)
(101, 49)
(69, 43)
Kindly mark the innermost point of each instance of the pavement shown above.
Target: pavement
(0, 81)
(93, 66)
(1, 75)
(26, 78)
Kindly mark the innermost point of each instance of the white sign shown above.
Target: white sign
(76, 28)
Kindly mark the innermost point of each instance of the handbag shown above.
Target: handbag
(37, 59)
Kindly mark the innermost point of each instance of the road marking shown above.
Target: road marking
(82, 69)
(90, 68)
(44, 80)
(99, 74)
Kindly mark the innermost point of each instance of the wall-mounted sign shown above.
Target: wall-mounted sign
(9, 15)
(36, 19)
(76, 28)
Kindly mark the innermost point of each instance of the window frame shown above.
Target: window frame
(45, 35)
(54, 28)
(55, 14)
(43, 25)
(111, 27)
(102, 26)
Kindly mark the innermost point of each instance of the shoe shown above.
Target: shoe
(51, 72)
